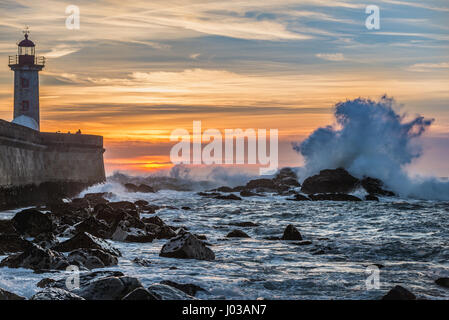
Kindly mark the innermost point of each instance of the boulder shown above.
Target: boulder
(287, 177)
(85, 240)
(164, 292)
(165, 232)
(46, 240)
(291, 233)
(97, 198)
(46, 282)
(224, 189)
(32, 222)
(248, 193)
(186, 246)
(237, 234)
(443, 282)
(154, 220)
(141, 203)
(86, 278)
(299, 197)
(334, 197)
(94, 227)
(6, 227)
(6, 295)
(228, 197)
(36, 258)
(188, 288)
(330, 181)
(375, 187)
(371, 197)
(92, 258)
(399, 293)
(55, 294)
(10, 243)
(244, 224)
(142, 262)
(140, 294)
(111, 288)
(125, 231)
(130, 187)
(261, 184)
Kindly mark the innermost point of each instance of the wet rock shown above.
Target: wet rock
(164, 292)
(237, 234)
(10, 243)
(443, 282)
(123, 205)
(85, 240)
(92, 258)
(97, 198)
(201, 237)
(46, 282)
(291, 233)
(94, 227)
(36, 258)
(152, 208)
(142, 262)
(224, 189)
(131, 230)
(299, 197)
(6, 227)
(248, 193)
(165, 232)
(261, 184)
(32, 222)
(287, 177)
(334, 197)
(371, 197)
(209, 194)
(302, 243)
(141, 203)
(330, 181)
(188, 288)
(46, 240)
(244, 224)
(154, 220)
(375, 187)
(228, 197)
(111, 288)
(6, 295)
(55, 294)
(140, 294)
(186, 208)
(141, 188)
(399, 293)
(186, 246)
(87, 278)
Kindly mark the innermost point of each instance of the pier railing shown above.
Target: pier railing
(25, 59)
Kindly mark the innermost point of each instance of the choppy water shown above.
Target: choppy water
(410, 238)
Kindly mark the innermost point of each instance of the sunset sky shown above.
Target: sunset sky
(136, 70)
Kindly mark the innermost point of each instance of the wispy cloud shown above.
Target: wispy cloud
(428, 67)
(331, 56)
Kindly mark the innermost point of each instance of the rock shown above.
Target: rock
(46, 282)
(248, 193)
(186, 208)
(32, 222)
(85, 240)
(399, 293)
(330, 181)
(224, 189)
(299, 197)
(141, 203)
(141, 188)
(6, 227)
(261, 184)
(186, 246)
(55, 294)
(46, 240)
(97, 198)
(142, 262)
(164, 292)
(244, 224)
(237, 234)
(6, 295)
(287, 177)
(374, 186)
(10, 243)
(371, 197)
(187, 288)
(302, 243)
(131, 230)
(92, 258)
(94, 227)
(111, 288)
(444, 282)
(165, 232)
(140, 294)
(87, 278)
(291, 233)
(152, 208)
(334, 197)
(228, 197)
(36, 258)
(154, 220)
(123, 205)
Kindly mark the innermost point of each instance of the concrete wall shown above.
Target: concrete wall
(29, 157)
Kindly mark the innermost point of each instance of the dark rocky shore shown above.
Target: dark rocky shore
(30, 239)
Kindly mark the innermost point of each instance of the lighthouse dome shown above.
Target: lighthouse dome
(26, 122)
(26, 42)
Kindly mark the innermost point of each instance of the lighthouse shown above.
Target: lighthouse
(26, 66)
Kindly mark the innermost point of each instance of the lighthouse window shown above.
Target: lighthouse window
(25, 105)
(25, 83)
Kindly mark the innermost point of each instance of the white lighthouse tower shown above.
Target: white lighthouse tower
(26, 66)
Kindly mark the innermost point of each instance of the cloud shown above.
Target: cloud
(428, 67)
(331, 56)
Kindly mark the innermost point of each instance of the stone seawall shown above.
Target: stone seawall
(37, 166)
